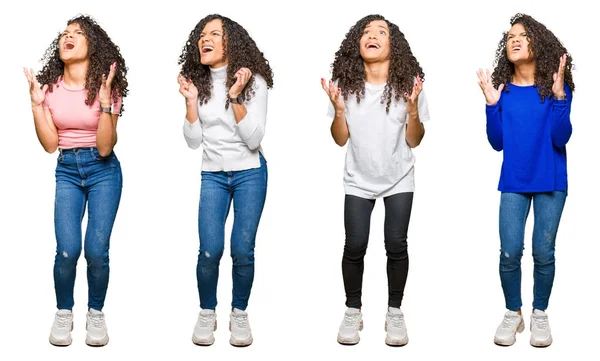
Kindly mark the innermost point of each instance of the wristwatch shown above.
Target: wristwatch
(238, 100)
(560, 97)
(106, 109)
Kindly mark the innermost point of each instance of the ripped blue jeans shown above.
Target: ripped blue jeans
(84, 178)
(247, 189)
(547, 210)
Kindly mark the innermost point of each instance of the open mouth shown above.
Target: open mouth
(516, 48)
(207, 49)
(69, 45)
(372, 46)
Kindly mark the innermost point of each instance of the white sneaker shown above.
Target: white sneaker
(507, 331)
(97, 334)
(60, 335)
(241, 334)
(395, 328)
(540, 329)
(205, 326)
(352, 323)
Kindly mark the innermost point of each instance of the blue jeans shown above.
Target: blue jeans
(514, 208)
(83, 176)
(248, 190)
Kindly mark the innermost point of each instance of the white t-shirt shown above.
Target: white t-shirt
(379, 162)
(227, 145)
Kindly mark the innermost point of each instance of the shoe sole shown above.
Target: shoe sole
(61, 343)
(540, 343)
(240, 343)
(202, 342)
(96, 343)
(511, 341)
(349, 341)
(393, 341)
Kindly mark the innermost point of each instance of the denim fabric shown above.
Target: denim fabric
(247, 189)
(83, 178)
(547, 210)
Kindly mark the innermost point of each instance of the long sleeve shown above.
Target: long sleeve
(192, 133)
(561, 127)
(494, 126)
(252, 128)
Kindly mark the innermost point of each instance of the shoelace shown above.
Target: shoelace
(509, 322)
(206, 320)
(351, 320)
(397, 320)
(541, 322)
(62, 321)
(97, 321)
(241, 321)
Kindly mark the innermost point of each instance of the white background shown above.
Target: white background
(453, 300)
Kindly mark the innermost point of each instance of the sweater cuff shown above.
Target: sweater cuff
(246, 128)
(560, 103)
(193, 130)
(492, 109)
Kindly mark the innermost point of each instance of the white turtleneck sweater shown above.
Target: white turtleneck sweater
(227, 145)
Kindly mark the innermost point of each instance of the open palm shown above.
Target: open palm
(38, 95)
(492, 95)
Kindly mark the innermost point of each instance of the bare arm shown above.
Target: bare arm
(44, 126)
(414, 128)
(106, 134)
(339, 126)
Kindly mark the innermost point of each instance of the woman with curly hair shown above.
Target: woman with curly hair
(76, 110)
(378, 105)
(528, 104)
(224, 79)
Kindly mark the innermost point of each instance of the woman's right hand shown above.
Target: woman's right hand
(492, 95)
(37, 95)
(187, 89)
(335, 95)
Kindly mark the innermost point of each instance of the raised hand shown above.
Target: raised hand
(104, 94)
(558, 88)
(335, 94)
(492, 95)
(187, 88)
(37, 95)
(412, 99)
(242, 77)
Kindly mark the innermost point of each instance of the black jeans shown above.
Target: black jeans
(357, 221)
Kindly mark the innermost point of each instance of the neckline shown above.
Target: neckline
(371, 86)
(66, 87)
(218, 72)
(521, 86)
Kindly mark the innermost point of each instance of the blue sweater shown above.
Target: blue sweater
(533, 136)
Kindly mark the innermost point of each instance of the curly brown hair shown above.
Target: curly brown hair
(240, 51)
(348, 68)
(546, 49)
(102, 53)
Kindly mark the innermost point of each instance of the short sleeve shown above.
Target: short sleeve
(423, 107)
(116, 107)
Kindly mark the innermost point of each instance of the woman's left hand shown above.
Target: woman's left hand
(558, 88)
(242, 77)
(104, 95)
(412, 100)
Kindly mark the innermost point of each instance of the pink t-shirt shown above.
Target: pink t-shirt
(76, 122)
